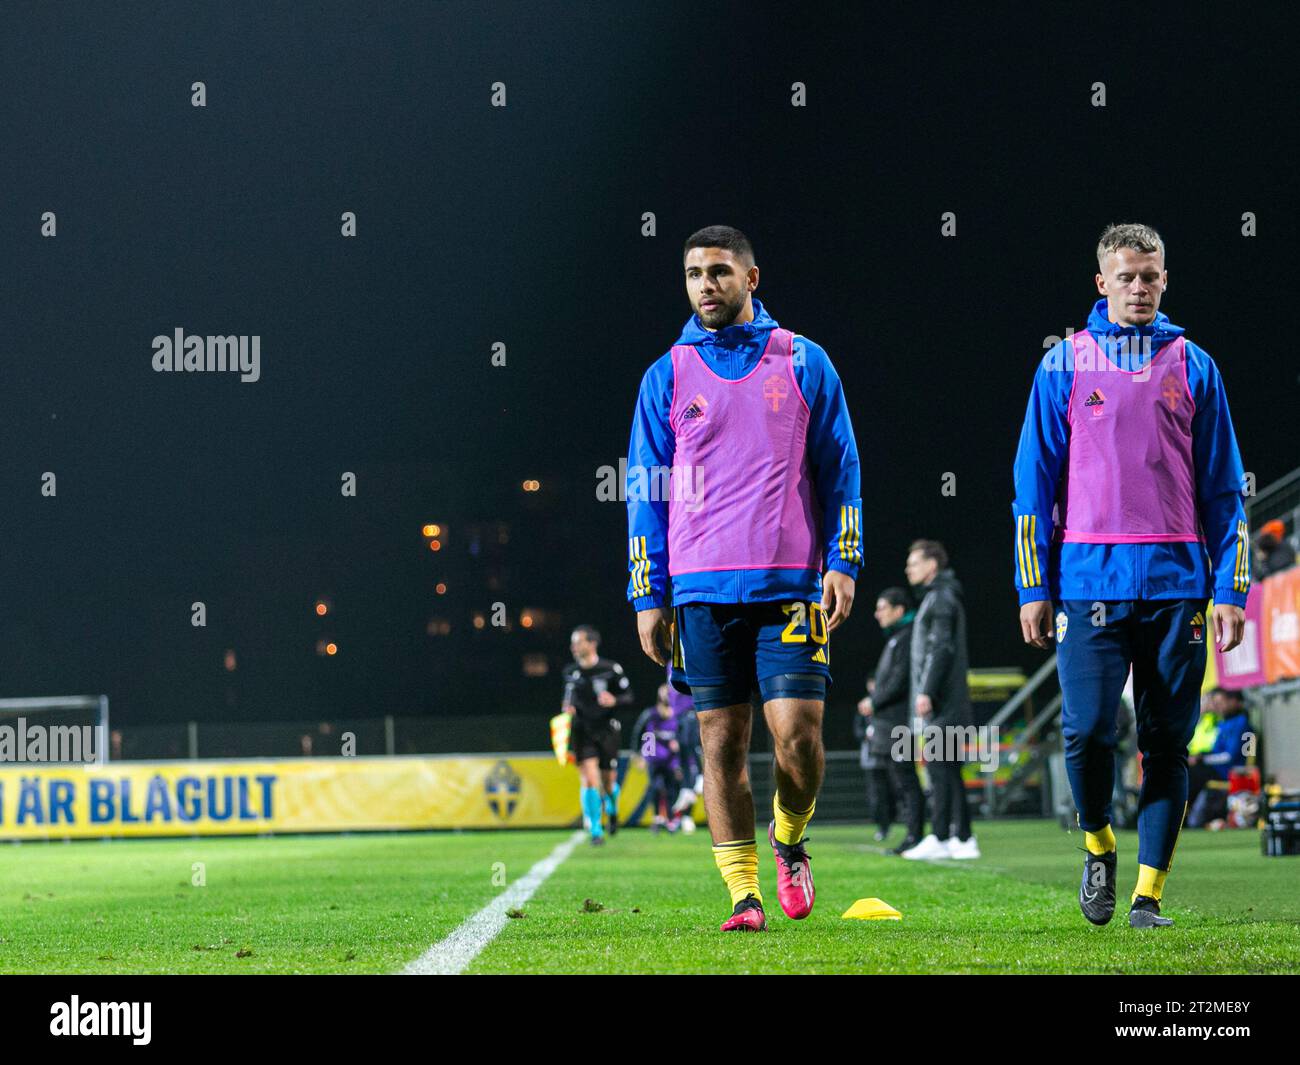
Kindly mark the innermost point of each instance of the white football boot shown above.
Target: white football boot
(930, 847)
(963, 850)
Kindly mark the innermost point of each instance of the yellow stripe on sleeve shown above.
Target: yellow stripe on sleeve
(641, 565)
(1236, 567)
(1241, 558)
(1245, 551)
(1020, 549)
(1033, 547)
(645, 568)
(1239, 578)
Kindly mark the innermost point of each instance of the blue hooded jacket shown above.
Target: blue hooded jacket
(1229, 751)
(832, 456)
(1220, 567)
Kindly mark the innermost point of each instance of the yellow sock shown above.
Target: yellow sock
(1151, 882)
(738, 864)
(789, 824)
(1100, 842)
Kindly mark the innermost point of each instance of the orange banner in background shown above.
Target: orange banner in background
(1281, 624)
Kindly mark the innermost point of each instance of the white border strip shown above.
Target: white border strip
(453, 954)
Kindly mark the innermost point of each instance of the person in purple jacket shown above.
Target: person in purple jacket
(743, 492)
(656, 736)
(1129, 516)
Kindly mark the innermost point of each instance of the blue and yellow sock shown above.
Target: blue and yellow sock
(1151, 878)
(790, 824)
(738, 863)
(1100, 842)
(1151, 882)
(591, 810)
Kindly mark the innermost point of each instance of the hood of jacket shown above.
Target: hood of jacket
(733, 350)
(944, 580)
(1161, 331)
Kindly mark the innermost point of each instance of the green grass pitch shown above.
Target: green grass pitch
(372, 903)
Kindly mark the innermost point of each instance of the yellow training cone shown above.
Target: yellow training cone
(873, 910)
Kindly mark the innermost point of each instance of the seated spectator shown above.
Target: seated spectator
(1207, 727)
(1273, 553)
(1228, 752)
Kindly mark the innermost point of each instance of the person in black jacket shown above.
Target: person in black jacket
(941, 697)
(885, 710)
(881, 806)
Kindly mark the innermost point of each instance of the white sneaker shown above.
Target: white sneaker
(963, 850)
(688, 824)
(930, 847)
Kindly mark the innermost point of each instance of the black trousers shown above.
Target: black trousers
(880, 797)
(950, 816)
(909, 796)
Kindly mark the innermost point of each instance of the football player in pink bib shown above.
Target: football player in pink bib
(1129, 517)
(743, 493)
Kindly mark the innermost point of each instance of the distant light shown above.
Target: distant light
(432, 530)
(440, 588)
(526, 620)
(532, 486)
(229, 661)
(331, 648)
(479, 621)
(535, 665)
(435, 545)
(321, 610)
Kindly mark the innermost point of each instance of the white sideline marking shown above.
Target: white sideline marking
(453, 954)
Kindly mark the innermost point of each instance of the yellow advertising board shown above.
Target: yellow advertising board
(42, 801)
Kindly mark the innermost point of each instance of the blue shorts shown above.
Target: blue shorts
(723, 651)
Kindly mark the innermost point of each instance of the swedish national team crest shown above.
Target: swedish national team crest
(1171, 391)
(1062, 623)
(502, 787)
(775, 391)
(1198, 628)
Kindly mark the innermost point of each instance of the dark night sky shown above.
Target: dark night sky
(522, 225)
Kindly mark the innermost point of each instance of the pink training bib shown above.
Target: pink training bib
(1130, 477)
(741, 494)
